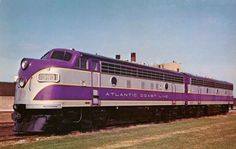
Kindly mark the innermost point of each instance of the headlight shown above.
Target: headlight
(21, 82)
(24, 64)
(48, 78)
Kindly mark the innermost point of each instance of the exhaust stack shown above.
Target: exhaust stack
(118, 57)
(133, 57)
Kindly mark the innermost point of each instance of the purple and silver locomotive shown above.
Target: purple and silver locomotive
(67, 86)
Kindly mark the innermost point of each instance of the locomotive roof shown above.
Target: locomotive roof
(112, 60)
(207, 79)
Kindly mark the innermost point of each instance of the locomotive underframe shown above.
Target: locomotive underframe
(34, 120)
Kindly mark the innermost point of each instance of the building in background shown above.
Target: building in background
(169, 66)
(7, 93)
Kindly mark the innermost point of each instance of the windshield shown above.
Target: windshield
(61, 55)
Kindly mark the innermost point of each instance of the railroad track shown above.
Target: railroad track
(11, 138)
(7, 137)
(6, 128)
(6, 131)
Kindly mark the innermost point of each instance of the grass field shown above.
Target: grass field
(214, 132)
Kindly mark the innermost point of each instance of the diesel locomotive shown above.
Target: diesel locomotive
(71, 87)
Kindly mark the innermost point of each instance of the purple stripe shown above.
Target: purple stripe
(61, 92)
(123, 94)
(209, 97)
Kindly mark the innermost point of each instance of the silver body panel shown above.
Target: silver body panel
(74, 77)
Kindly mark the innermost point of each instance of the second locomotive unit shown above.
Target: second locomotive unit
(67, 86)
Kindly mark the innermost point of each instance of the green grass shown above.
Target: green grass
(207, 132)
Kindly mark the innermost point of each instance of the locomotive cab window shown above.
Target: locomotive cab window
(82, 62)
(61, 55)
(94, 64)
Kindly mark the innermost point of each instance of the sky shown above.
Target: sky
(198, 34)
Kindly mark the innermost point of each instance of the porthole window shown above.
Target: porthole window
(114, 81)
(166, 86)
